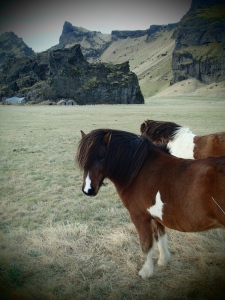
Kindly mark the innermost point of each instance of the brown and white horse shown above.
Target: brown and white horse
(158, 189)
(181, 142)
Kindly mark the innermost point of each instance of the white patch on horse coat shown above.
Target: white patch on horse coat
(182, 144)
(87, 184)
(164, 254)
(157, 209)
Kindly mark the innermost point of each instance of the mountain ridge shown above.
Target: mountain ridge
(161, 55)
(12, 46)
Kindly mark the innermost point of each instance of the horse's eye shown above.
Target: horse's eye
(101, 158)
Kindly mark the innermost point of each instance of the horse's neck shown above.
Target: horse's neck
(183, 144)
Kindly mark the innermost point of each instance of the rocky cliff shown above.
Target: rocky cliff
(64, 73)
(200, 43)
(124, 34)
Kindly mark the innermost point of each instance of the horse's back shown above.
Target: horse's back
(209, 145)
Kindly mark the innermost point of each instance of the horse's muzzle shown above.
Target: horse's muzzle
(90, 192)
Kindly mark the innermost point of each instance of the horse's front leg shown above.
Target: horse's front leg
(148, 267)
(143, 225)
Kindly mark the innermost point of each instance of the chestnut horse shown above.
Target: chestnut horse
(158, 189)
(181, 142)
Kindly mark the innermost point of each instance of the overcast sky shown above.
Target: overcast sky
(39, 23)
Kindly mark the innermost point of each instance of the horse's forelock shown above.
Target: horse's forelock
(88, 148)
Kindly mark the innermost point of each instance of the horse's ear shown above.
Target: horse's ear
(143, 127)
(107, 139)
(82, 134)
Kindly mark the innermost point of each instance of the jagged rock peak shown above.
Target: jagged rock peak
(69, 28)
(71, 55)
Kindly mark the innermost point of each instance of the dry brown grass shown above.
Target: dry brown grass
(194, 88)
(56, 243)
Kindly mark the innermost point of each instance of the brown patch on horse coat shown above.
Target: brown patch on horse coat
(209, 145)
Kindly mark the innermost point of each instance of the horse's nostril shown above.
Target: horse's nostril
(91, 191)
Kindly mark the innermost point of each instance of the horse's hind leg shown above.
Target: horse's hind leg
(164, 254)
(161, 238)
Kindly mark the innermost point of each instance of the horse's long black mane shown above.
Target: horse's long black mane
(160, 130)
(126, 153)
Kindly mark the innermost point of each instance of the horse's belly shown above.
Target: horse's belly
(188, 223)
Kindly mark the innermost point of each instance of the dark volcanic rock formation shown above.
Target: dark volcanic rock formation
(64, 73)
(200, 43)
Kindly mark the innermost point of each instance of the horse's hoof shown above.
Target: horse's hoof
(164, 261)
(145, 273)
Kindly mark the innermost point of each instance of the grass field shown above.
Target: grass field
(56, 243)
